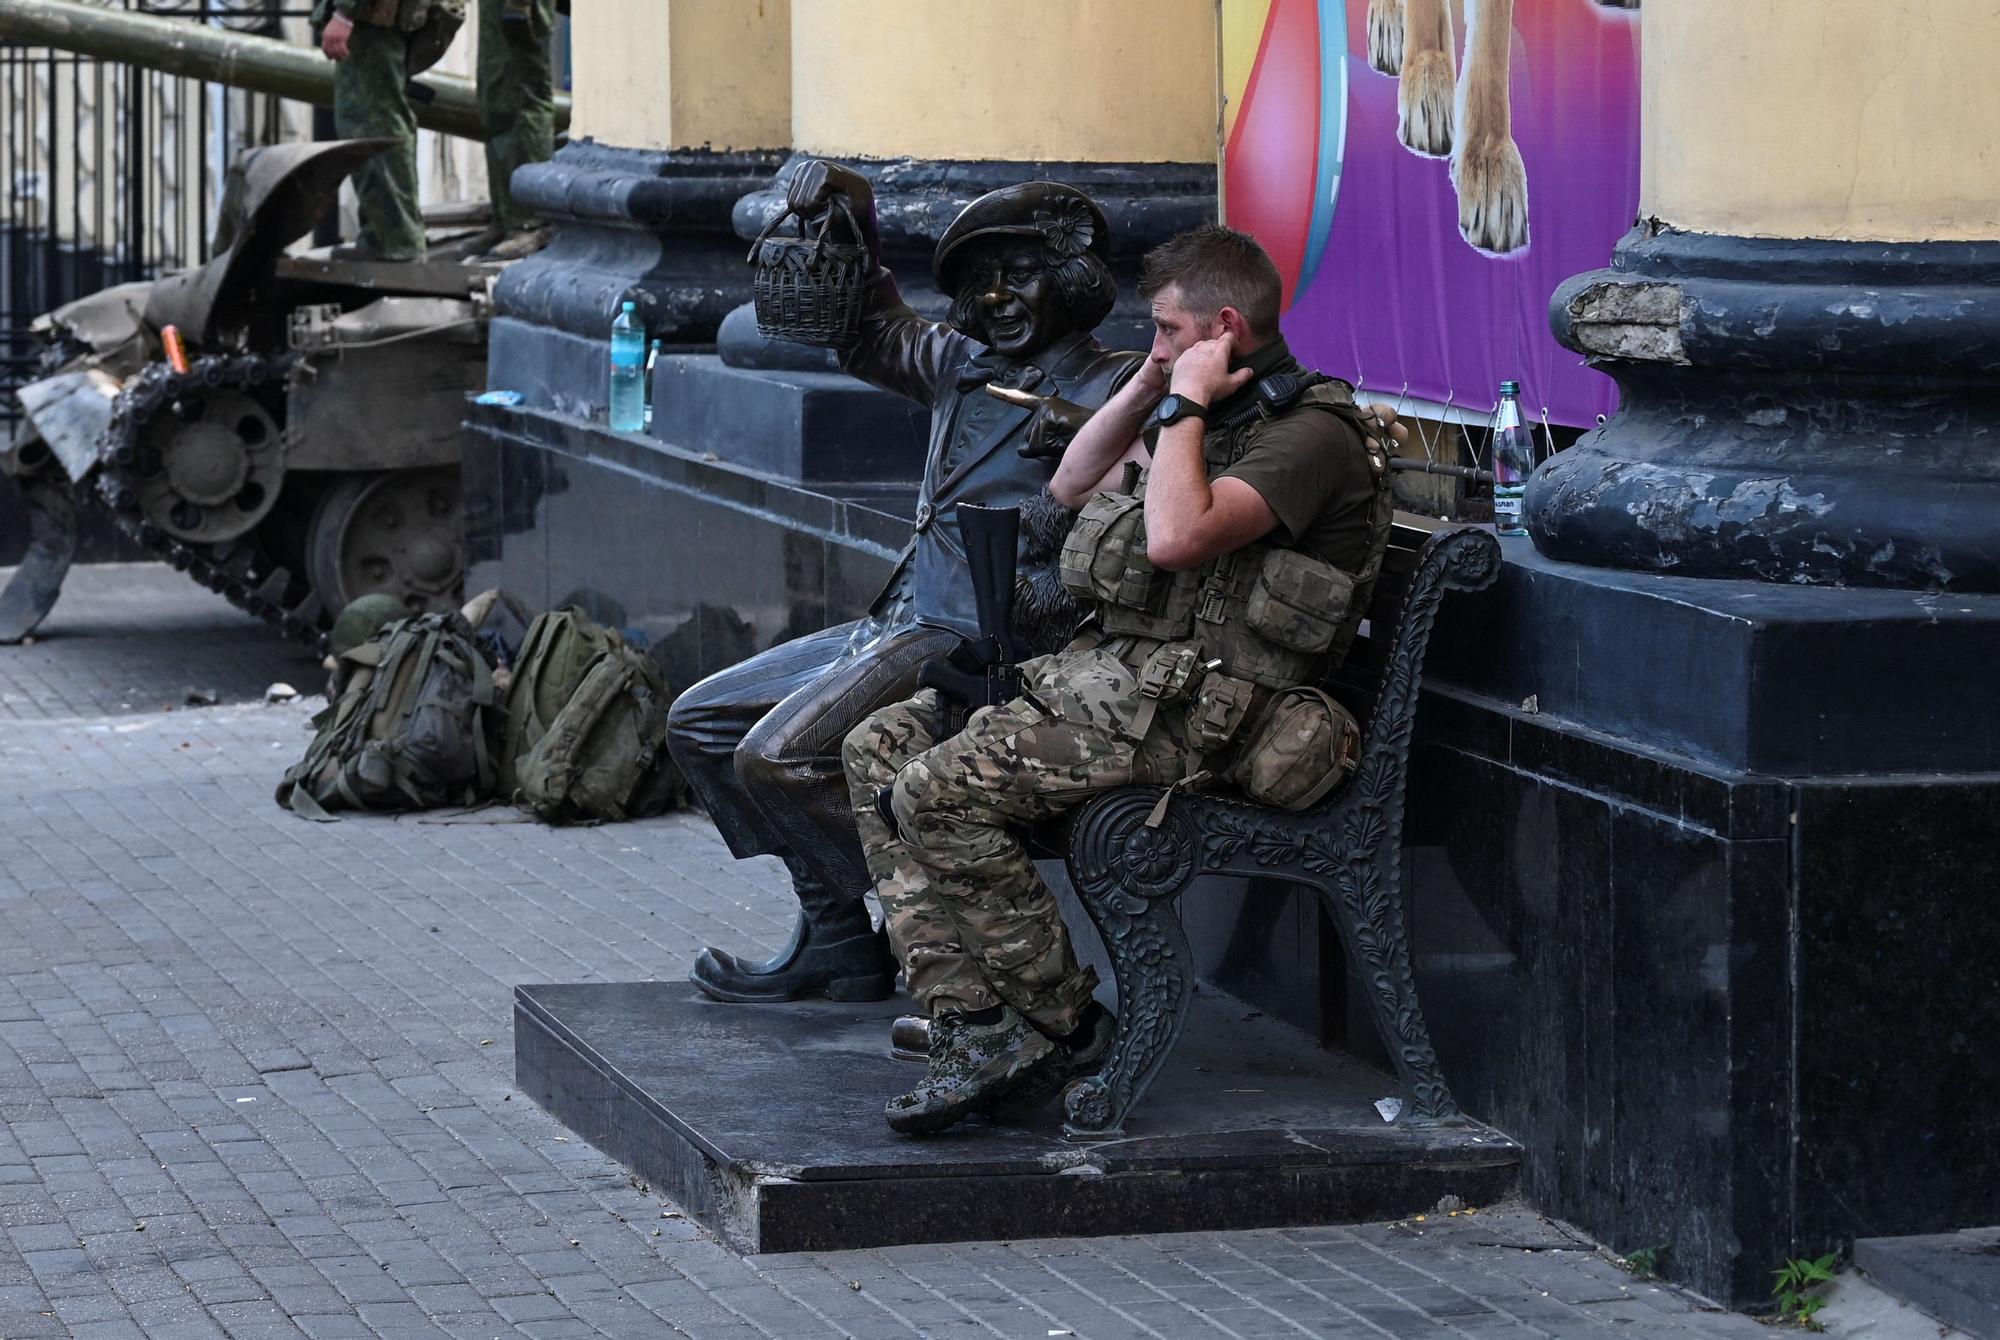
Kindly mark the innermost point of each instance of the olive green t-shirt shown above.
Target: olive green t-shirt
(1312, 468)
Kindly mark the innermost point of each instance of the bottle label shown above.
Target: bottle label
(1507, 511)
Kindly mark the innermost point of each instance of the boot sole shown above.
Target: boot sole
(932, 1120)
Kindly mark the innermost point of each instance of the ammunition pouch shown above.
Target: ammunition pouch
(1219, 708)
(1104, 558)
(1298, 601)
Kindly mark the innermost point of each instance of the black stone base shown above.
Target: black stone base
(701, 562)
(765, 1123)
(1955, 1277)
(1700, 873)
(807, 426)
(1698, 932)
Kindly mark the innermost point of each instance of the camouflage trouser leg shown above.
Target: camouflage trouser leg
(517, 101)
(958, 803)
(369, 101)
(942, 975)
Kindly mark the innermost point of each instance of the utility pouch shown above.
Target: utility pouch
(1303, 746)
(1168, 671)
(1164, 678)
(1104, 554)
(1298, 602)
(1218, 711)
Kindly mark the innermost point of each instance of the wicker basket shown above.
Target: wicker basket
(811, 288)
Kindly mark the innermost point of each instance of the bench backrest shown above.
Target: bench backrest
(1359, 677)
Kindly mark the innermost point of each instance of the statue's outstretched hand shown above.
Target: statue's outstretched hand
(1054, 424)
(817, 183)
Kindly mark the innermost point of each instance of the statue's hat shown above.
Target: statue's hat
(1062, 218)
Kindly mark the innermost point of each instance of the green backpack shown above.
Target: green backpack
(411, 728)
(586, 725)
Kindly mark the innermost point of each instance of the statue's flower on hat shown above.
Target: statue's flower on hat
(1067, 228)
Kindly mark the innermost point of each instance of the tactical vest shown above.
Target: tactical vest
(1268, 614)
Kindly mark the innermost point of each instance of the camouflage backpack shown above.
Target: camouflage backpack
(586, 721)
(411, 727)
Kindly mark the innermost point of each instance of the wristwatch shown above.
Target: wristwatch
(1173, 408)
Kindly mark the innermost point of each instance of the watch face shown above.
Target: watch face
(1170, 409)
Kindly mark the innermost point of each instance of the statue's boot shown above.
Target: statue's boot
(835, 952)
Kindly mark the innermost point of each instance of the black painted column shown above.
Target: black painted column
(651, 226)
(1815, 412)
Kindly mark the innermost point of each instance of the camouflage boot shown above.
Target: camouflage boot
(972, 1066)
(1075, 1058)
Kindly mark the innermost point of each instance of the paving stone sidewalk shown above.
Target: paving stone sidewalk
(255, 1073)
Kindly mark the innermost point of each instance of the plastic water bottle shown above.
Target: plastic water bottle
(628, 372)
(1513, 461)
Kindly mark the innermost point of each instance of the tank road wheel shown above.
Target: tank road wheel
(213, 474)
(401, 532)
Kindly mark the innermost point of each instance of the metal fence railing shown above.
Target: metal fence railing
(110, 173)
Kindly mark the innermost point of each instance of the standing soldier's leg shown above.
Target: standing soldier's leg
(369, 101)
(516, 99)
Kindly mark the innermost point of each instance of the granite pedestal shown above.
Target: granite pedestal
(765, 1123)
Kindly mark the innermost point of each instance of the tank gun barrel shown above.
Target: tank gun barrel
(241, 60)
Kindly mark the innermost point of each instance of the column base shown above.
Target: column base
(649, 226)
(1816, 413)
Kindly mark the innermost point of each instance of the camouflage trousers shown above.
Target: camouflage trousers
(368, 101)
(517, 99)
(971, 921)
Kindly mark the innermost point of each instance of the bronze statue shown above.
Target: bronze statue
(760, 742)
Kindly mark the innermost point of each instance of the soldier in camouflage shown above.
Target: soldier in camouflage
(517, 104)
(1235, 569)
(377, 46)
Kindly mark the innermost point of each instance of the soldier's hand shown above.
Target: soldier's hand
(1150, 381)
(333, 41)
(1391, 433)
(1053, 425)
(1202, 374)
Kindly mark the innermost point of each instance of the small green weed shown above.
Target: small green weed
(1796, 1280)
(1648, 1263)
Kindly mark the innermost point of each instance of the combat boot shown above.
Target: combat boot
(1076, 1057)
(972, 1067)
(834, 952)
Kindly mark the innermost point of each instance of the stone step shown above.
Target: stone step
(1955, 1277)
(765, 1123)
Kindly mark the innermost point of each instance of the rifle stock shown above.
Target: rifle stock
(982, 673)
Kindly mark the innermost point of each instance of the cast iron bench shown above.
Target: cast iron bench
(1348, 848)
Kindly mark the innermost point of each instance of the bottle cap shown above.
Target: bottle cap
(631, 306)
(1510, 387)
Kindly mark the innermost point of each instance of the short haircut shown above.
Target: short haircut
(1216, 267)
(1084, 282)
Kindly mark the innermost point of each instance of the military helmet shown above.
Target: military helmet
(1065, 220)
(362, 619)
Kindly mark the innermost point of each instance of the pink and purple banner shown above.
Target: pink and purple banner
(1425, 172)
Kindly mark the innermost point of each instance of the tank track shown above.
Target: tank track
(234, 569)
